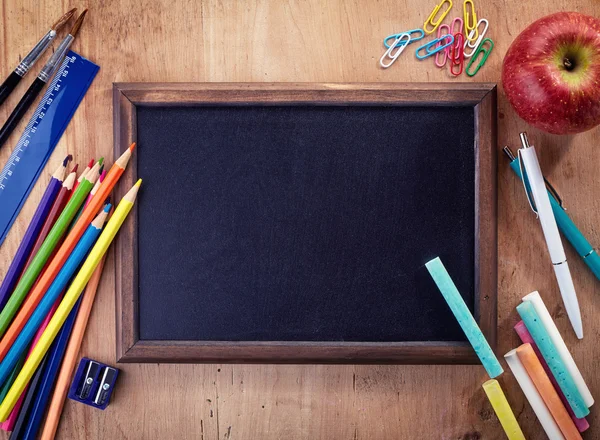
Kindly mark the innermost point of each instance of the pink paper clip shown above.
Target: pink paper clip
(457, 54)
(443, 53)
(453, 28)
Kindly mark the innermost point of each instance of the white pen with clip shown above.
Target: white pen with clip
(550, 229)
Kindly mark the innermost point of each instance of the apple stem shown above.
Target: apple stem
(569, 65)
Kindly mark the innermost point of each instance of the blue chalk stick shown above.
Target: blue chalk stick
(541, 337)
(462, 314)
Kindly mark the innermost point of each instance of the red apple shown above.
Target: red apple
(551, 73)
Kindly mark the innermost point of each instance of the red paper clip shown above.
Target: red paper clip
(457, 54)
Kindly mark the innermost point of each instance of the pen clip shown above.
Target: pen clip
(527, 193)
(554, 193)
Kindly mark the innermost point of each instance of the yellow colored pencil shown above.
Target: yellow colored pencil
(68, 301)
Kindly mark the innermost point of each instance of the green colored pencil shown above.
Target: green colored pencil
(43, 254)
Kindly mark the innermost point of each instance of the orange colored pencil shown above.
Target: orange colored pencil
(48, 276)
(540, 379)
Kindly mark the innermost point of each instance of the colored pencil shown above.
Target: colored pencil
(27, 403)
(48, 376)
(57, 208)
(92, 193)
(84, 172)
(544, 386)
(34, 269)
(66, 248)
(63, 381)
(581, 423)
(35, 226)
(37, 404)
(69, 300)
(9, 424)
(58, 285)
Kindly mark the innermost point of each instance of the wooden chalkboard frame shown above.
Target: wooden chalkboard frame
(128, 97)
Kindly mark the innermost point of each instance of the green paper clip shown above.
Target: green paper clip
(480, 50)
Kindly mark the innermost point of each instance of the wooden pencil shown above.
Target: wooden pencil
(37, 264)
(40, 288)
(544, 386)
(69, 363)
(69, 300)
(26, 335)
(57, 208)
(9, 424)
(18, 263)
(83, 173)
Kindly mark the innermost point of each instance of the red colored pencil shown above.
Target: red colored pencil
(78, 181)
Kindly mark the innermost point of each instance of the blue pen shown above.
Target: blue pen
(565, 224)
(60, 282)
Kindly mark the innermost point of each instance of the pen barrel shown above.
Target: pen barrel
(8, 86)
(542, 203)
(20, 110)
(567, 291)
(570, 231)
(54, 61)
(35, 53)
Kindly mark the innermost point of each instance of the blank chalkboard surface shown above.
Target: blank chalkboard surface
(304, 224)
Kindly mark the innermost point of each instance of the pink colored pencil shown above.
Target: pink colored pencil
(581, 424)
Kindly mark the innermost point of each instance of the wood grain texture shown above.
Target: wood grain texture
(309, 41)
(127, 98)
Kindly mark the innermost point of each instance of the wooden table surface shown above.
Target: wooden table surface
(314, 41)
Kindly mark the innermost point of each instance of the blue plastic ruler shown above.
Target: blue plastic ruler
(41, 135)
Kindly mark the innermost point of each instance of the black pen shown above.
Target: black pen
(27, 63)
(36, 87)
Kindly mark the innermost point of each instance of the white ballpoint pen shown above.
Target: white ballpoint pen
(550, 229)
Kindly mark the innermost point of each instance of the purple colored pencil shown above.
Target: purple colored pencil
(18, 263)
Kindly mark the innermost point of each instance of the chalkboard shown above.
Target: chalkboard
(296, 230)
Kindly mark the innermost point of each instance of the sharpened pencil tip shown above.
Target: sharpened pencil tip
(101, 161)
(78, 23)
(63, 20)
(101, 170)
(138, 183)
(107, 207)
(74, 170)
(67, 159)
(132, 146)
(107, 200)
(102, 176)
(91, 163)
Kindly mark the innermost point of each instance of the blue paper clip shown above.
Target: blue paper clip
(432, 44)
(394, 37)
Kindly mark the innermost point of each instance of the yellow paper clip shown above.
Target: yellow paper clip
(430, 20)
(472, 33)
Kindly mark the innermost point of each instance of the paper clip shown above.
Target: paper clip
(454, 31)
(390, 54)
(433, 43)
(444, 52)
(475, 45)
(484, 49)
(393, 37)
(472, 26)
(457, 54)
(434, 13)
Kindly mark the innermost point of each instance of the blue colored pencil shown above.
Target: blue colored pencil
(48, 377)
(39, 217)
(60, 282)
(23, 417)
